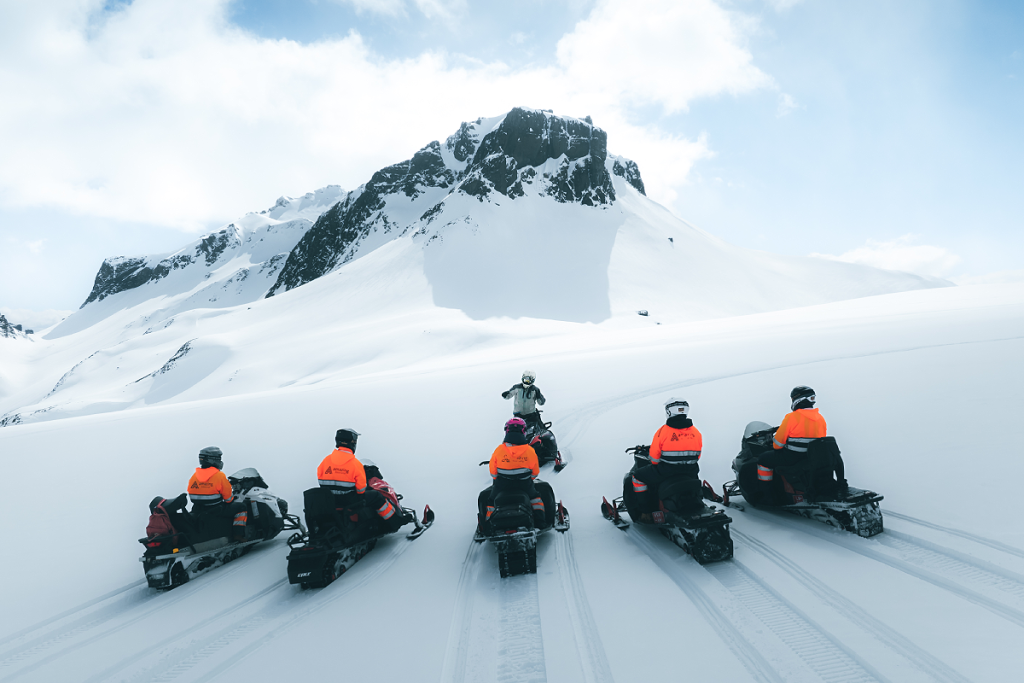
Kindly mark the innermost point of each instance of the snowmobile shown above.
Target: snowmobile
(806, 488)
(682, 517)
(338, 537)
(181, 545)
(542, 440)
(512, 531)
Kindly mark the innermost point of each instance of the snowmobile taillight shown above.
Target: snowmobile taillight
(152, 545)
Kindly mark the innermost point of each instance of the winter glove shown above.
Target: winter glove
(505, 394)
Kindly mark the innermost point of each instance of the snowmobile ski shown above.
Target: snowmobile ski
(421, 526)
(858, 512)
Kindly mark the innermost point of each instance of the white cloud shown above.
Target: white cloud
(389, 8)
(165, 113)
(901, 254)
(783, 5)
(786, 106)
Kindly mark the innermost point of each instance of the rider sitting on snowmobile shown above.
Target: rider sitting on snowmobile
(672, 474)
(513, 467)
(527, 397)
(211, 495)
(800, 443)
(344, 475)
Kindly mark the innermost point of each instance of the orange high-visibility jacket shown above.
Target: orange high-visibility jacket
(800, 428)
(209, 485)
(671, 446)
(342, 472)
(514, 462)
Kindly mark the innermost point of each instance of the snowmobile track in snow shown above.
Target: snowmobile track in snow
(747, 655)
(453, 669)
(279, 618)
(593, 661)
(996, 545)
(814, 647)
(936, 669)
(40, 648)
(944, 568)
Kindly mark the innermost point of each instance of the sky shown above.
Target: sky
(876, 132)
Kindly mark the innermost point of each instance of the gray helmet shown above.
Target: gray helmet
(529, 377)
(346, 438)
(802, 396)
(211, 457)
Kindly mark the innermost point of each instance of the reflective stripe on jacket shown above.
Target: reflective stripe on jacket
(342, 472)
(514, 462)
(209, 486)
(798, 429)
(672, 446)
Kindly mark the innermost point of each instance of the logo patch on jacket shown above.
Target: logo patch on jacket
(195, 484)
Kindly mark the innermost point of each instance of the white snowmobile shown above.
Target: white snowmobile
(811, 485)
(682, 517)
(181, 545)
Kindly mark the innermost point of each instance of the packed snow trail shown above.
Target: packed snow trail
(593, 661)
(924, 562)
(934, 668)
(727, 630)
(996, 545)
(460, 632)
(40, 649)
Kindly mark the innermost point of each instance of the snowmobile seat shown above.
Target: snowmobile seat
(681, 495)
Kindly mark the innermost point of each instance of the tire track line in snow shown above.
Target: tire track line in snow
(521, 649)
(190, 631)
(996, 545)
(936, 669)
(871, 549)
(292, 614)
(453, 670)
(952, 562)
(42, 645)
(745, 652)
(820, 651)
(588, 639)
(71, 612)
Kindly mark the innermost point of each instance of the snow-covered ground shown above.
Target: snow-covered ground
(920, 388)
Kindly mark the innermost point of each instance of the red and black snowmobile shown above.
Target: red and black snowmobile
(181, 545)
(341, 530)
(513, 529)
(542, 440)
(680, 515)
(811, 484)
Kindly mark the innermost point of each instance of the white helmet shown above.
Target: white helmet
(676, 406)
(529, 377)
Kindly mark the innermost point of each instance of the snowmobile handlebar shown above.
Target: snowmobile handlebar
(639, 450)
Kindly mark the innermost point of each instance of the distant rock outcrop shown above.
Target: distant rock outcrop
(6, 328)
(524, 151)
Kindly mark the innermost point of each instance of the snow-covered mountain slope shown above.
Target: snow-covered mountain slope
(903, 380)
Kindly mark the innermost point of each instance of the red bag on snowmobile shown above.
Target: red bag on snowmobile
(159, 527)
(385, 490)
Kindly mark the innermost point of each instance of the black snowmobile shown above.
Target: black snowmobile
(811, 485)
(542, 440)
(182, 545)
(682, 517)
(338, 537)
(512, 530)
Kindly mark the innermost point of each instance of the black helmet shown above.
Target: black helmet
(802, 397)
(346, 438)
(211, 457)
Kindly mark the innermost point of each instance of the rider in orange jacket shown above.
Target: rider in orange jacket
(675, 450)
(344, 475)
(210, 492)
(513, 467)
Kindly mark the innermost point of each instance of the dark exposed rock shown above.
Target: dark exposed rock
(331, 240)
(120, 273)
(631, 173)
(7, 329)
